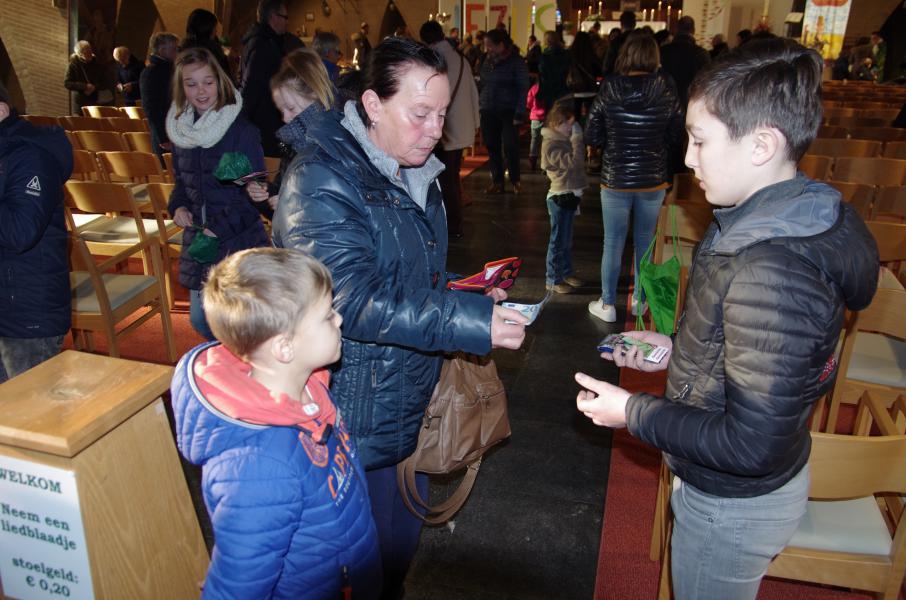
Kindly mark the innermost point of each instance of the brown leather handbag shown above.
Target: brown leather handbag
(467, 415)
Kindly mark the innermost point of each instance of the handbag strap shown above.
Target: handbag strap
(462, 67)
(440, 513)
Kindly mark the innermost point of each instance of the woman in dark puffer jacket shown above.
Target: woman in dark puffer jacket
(636, 118)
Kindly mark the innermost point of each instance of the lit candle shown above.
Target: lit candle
(669, 8)
(599, 7)
(659, 13)
(679, 14)
(430, 17)
(579, 19)
(644, 14)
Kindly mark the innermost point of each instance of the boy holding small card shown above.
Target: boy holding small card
(755, 346)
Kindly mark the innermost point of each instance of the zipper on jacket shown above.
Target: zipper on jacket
(373, 377)
(683, 393)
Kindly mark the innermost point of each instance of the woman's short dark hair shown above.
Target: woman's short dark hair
(431, 32)
(638, 53)
(765, 83)
(499, 36)
(389, 61)
(201, 24)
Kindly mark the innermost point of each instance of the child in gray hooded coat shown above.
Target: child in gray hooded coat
(563, 160)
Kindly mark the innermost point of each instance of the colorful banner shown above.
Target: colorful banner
(824, 25)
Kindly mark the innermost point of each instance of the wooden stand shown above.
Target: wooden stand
(102, 420)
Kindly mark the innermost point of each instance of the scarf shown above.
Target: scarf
(293, 133)
(187, 132)
(227, 384)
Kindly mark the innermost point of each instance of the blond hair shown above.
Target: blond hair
(560, 112)
(302, 72)
(226, 93)
(255, 294)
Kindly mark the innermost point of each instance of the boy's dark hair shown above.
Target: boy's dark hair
(431, 32)
(627, 19)
(773, 83)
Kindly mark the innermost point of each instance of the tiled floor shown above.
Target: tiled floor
(532, 526)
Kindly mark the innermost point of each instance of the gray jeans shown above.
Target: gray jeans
(722, 547)
(18, 355)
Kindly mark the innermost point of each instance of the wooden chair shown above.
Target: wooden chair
(85, 166)
(138, 141)
(692, 220)
(859, 195)
(850, 537)
(873, 354)
(136, 167)
(895, 150)
(73, 140)
(99, 112)
(123, 124)
(76, 123)
(880, 134)
(887, 114)
(168, 162)
(101, 141)
(832, 131)
(41, 120)
(890, 204)
(850, 122)
(169, 233)
(101, 300)
(816, 167)
(686, 188)
(838, 111)
(840, 147)
(272, 166)
(133, 112)
(873, 171)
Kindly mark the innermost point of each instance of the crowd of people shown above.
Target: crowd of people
(326, 335)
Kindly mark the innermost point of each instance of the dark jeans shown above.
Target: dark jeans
(501, 138)
(18, 355)
(398, 530)
(451, 187)
(559, 249)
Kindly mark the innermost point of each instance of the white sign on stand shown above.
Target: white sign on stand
(43, 554)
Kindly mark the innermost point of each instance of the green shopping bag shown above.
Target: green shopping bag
(661, 282)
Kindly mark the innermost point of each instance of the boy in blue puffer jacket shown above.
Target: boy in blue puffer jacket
(281, 478)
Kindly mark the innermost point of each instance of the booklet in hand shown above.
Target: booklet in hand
(499, 273)
(256, 176)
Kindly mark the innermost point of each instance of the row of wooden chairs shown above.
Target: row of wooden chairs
(868, 170)
(839, 147)
(873, 112)
(109, 141)
(857, 121)
(131, 112)
(120, 166)
(107, 229)
(880, 134)
(895, 103)
(78, 123)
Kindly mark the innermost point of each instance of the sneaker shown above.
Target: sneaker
(561, 288)
(634, 308)
(517, 187)
(494, 188)
(573, 281)
(605, 312)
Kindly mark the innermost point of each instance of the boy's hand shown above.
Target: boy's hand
(633, 357)
(601, 402)
(257, 191)
(182, 217)
(496, 294)
(507, 335)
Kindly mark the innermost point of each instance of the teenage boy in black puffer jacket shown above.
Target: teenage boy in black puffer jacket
(754, 348)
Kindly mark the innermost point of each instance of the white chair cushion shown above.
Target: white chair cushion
(843, 526)
(82, 219)
(878, 359)
(118, 230)
(120, 289)
(887, 280)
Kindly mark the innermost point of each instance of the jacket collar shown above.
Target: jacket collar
(796, 208)
(413, 180)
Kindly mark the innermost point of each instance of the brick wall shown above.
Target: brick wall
(36, 37)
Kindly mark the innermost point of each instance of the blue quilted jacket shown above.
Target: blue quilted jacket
(284, 525)
(230, 213)
(388, 259)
